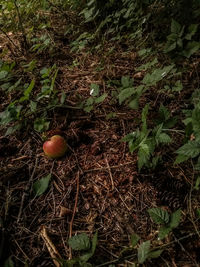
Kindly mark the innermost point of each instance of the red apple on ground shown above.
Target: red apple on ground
(55, 147)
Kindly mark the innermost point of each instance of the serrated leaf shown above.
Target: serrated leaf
(159, 215)
(143, 251)
(126, 93)
(143, 155)
(155, 254)
(79, 242)
(134, 239)
(164, 231)
(86, 256)
(40, 186)
(190, 149)
(175, 219)
(164, 138)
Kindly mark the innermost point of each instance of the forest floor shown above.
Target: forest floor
(96, 186)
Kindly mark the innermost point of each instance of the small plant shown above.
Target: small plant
(168, 222)
(145, 252)
(95, 98)
(81, 243)
(180, 40)
(146, 140)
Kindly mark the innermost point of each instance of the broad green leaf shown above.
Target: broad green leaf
(181, 158)
(143, 155)
(134, 104)
(175, 219)
(148, 65)
(159, 215)
(89, 101)
(190, 149)
(100, 98)
(126, 81)
(155, 254)
(126, 93)
(40, 186)
(143, 251)
(88, 108)
(134, 240)
(79, 242)
(94, 89)
(157, 75)
(191, 48)
(175, 27)
(164, 231)
(87, 255)
(164, 138)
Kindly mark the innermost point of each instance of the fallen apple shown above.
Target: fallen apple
(55, 147)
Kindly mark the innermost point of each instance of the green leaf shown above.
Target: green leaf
(134, 239)
(143, 155)
(175, 219)
(159, 215)
(197, 183)
(79, 242)
(164, 138)
(157, 75)
(126, 93)
(9, 263)
(175, 27)
(177, 87)
(126, 81)
(88, 108)
(41, 125)
(40, 186)
(144, 118)
(190, 149)
(164, 231)
(181, 158)
(143, 251)
(134, 104)
(192, 29)
(86, 256)
(63, 97)
(27, 91)
(33, 106)
(100, 98)
(155, 254)
(3, 74)
(191, 48)
(94, 89)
